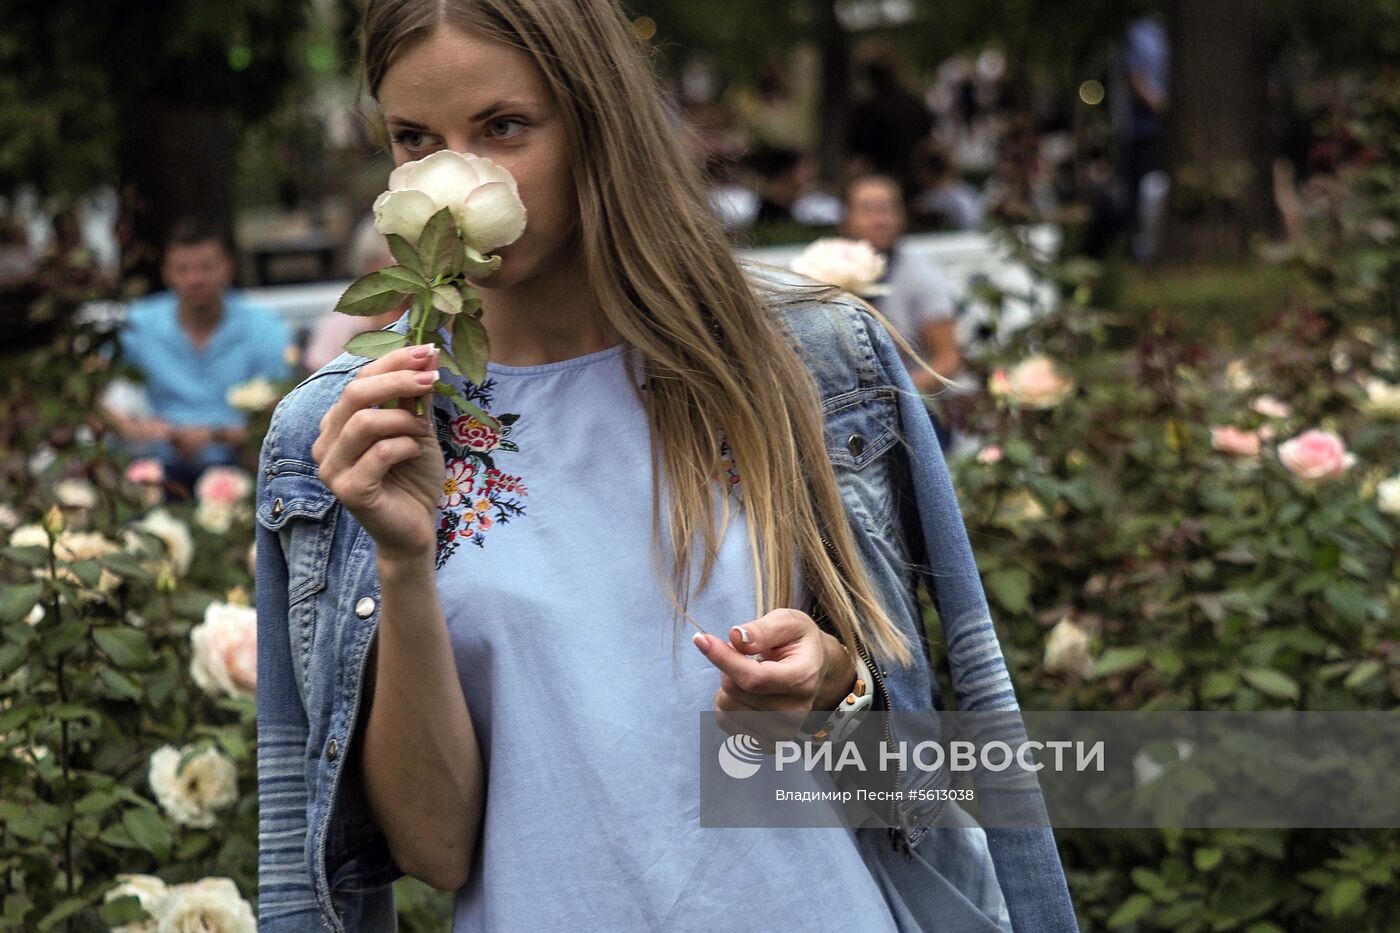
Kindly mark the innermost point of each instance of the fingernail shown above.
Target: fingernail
(425, 379)
(420, 352)
(699, 639)
(743, 634)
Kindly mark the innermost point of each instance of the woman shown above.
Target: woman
(471, 677)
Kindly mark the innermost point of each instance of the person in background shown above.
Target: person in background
(945, 198)
(788, 192)
(369, 252)
(192, 344)
(920, 302)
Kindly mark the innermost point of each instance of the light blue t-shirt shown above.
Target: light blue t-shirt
(186, 385)
(585, 694)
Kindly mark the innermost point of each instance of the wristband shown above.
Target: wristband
(849, 711)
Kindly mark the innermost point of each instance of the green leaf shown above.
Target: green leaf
(122, 910)
(119, 683)
(28, 556)
(469, 408)
(1011, 587)
(65, 909)
(95, 802)
(127, 647)
(372, 294)
(149, 832)
(375, 343)
(447, 299)
(89, 572)
(1117, 660)
(1272, 682)
(1344, 896)
(440, 245)
(403, 252)
(1346, 601)
(11, 657)
(470, 347)
(17, 601)
(1208, 858)
(409, 280)
(126, 565)
(1131, 910)
(1365, 672)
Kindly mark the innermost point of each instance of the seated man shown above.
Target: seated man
(193, 344)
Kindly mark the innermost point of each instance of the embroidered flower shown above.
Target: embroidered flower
(457, 484)
(473, 435)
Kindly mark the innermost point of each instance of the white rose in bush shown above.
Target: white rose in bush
(483, 197)
(190, 795)
(225, 644)
(1388, 495)
(210, 905)
(1382, 399)
(149, 890)
(850, 264)
(1067, 650)
(253, 395)
(174, 535)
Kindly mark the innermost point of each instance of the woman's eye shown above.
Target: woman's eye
(409, 139)
(504, 123)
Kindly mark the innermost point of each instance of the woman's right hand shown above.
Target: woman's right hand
(385, 464)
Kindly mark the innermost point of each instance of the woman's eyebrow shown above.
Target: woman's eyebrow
(497, 107)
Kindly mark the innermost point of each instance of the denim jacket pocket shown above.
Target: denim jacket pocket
(861, 427)
(300, 510)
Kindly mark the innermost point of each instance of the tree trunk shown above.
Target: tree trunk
(175, 161)
(1217, 129)
(835, 50)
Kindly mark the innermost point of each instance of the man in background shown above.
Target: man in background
(920, 302)
(191, 345)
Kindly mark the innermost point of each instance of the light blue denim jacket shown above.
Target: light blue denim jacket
(323, 863)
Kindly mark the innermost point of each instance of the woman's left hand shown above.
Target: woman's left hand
(780, 663)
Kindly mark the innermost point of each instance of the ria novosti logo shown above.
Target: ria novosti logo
(740, 755)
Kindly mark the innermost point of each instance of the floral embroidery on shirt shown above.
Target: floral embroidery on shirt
(476, 495)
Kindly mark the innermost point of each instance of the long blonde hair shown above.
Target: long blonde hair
(714, 360)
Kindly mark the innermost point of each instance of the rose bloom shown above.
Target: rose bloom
(990, 454)
(222, 486)
(1382, 399)
(474, 435)
(1270, 407)
(1315, 455)
(149, 890)
(189, 796)
(1067, 650)
(1232, 440)
(210, 905)
(146, 470)
(483, 197)
(252, 396)
(225, 650)
(75, 493)
(1388, 495)
(1032, 383)
(850, 264)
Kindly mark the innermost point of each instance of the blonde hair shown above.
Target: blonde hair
(714, 360)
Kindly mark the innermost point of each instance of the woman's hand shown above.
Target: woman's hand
(385, 463)
(780, 663)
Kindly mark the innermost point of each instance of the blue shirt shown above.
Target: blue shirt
(584, 691)
(186, 385)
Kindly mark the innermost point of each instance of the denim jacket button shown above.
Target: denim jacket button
(276, 507)
(332, 750)
(365, 607)
(855, 444)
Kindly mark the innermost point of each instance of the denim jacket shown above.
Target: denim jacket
(324, 864)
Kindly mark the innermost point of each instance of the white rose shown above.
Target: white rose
(483, 197)
(9, 518)
(225, 656)
(31, 535)
(149, 890)
(215, 517)
(1067, 650)
(1388, 495)
(210, 905)
(190, 796)
(75, 493)
(253, 395)
(850, 264)
(173, 533)
(1382, 399)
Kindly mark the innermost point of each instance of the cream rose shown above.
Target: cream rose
(1388, 495)
(252, 396)
(483, 197)
(210, 905)
(191, 795)
(149, 890)
(75, 493)
(850, 264)
(173, 534)
(225, 656)
(1232, 440)
(1315, 455)
(1382, 399)
(1034, 382)
(1270, 407)
(1067, 650)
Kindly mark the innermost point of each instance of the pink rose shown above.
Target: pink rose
(145, 472)
(1315, 455)
(1232, 440)
(222, 486)
(1270, 407)
(474, 435)
(225, 651)
(989, 454)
